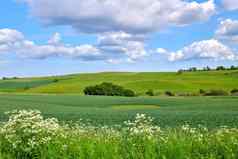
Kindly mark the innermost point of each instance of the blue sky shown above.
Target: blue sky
(40, 37)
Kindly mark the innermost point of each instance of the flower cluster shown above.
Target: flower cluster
(27, 130)
(142, 125)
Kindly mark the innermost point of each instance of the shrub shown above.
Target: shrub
(128, 93)
(26, 87)
(234, 91)
(108, 89)
(216, 93)
(201, 91)
(55, 80)
(150, 92)
(169, 93)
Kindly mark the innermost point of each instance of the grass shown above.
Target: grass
(21, 85)
(27, 135)
(172, 111)
(139, 82)
(135, 107)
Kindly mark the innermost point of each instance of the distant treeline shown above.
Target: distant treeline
(218, 68)
(201, 92)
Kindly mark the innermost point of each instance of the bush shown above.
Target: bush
(201, 91)
(234, 91)
(108, 89)
(216, 93)
(168, 93)
(55, 80)
(150, 92)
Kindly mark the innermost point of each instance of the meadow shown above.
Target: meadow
(28, 135)
(139, 82)
(167, 111)
(49, 118)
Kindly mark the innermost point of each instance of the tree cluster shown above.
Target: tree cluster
(108, 89)
(218, 68)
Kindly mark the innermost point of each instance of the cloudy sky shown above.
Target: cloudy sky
(51, 37)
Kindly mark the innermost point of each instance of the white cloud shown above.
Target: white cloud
(55, 39)
(230, 4)
(111, 47)
(206, 49)
(228, 30)
(192, 12)
(118, 43)
(131, 16)
(8, 39)
(14, 41)
(161, 51)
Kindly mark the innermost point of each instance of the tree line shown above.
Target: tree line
(207, 68)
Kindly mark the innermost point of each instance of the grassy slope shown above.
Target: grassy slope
(208, 111)
(140, 82)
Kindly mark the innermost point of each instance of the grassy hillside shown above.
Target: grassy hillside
(175, 111)
(139, 82)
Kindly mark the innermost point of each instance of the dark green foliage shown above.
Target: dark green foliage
(216, 93)
(55, 80)
(220, 68)
(150, 92)
(201, 91)
(169, 93)
(193, 69)
(234, 91)
(108, 89)
(233, 68)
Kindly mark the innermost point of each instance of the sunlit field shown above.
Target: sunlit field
(167, 111)
(27, 134)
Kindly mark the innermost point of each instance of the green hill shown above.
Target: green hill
(139, 82)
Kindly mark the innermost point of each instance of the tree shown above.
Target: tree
(220, 68)
(150, 92)
(201, 91)
(108, 89)
(168, 93)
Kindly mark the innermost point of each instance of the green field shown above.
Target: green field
(139, 82)
(173, 111)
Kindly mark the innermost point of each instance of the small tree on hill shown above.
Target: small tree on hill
(150, 92)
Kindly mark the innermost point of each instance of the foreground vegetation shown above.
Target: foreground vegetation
(167, 111)
(140, 83)
(28, 135)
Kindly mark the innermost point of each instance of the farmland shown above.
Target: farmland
(75, 126)
(138, 82)
(168, 111)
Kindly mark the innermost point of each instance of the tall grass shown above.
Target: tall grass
(28, 135)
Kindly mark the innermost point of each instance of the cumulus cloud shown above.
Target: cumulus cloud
(110, 47)
(130, 16)
(188, 13)
(228, 30)
(206, 49)
(13, 41)
(230, 4)
(118, 43)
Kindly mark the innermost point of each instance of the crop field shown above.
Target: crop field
(138, 82)
(168, 111)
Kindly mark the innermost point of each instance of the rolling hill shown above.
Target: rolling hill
(140, 82)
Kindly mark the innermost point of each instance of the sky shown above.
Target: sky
(52, 37)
